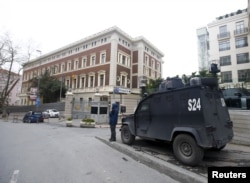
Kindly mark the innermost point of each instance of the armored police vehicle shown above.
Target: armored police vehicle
(192, 118)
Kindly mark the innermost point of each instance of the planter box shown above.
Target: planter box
(69, 123)
(87, 125)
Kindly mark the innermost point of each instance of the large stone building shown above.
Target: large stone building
(109, 64)
(226, 41)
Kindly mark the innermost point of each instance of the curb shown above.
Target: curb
(166, 168)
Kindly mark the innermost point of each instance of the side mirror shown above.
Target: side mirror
(145, 95)
(238, 94)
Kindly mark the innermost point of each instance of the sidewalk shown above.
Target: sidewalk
(238, 147)
(76, 123)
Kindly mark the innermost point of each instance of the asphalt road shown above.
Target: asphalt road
(158, 156)
(49, 153)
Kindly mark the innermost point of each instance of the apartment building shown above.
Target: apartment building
(14, 87)
(228, 45)
(110, 63)
(203, 48)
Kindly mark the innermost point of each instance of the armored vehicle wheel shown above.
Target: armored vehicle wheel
(126, 136)
(186, 150)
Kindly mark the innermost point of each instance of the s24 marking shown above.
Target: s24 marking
(194, 104)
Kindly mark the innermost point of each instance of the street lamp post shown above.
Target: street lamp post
(61, 89)
(38, 86)
(39, 51)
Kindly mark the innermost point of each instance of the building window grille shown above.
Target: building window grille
(240, 27)
(224, 45)
(223, 32)
(69, 66)
(226, 60)
(103, 58)
(101, 80)
(92, 63)
(146, 60)
(76, 65)
(153, 63)
(84, 61)
(83, 82)
(74, 83)
(242, 58)
(226, 77)
(123, 81)
(241, 42)
(91, 81)
(244, 75)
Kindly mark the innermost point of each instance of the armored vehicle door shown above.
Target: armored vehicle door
(143, 119)
(218, 123)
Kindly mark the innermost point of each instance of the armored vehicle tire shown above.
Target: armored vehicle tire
(187, 151)
(126, 136)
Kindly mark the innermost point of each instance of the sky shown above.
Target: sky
(170, 25)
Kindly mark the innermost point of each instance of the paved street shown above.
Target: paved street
(52, 153)
(74, 143)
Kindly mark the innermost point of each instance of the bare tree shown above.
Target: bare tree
(10, 55)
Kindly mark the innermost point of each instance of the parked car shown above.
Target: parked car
(33, 117)
(52, 113)
(237, 98)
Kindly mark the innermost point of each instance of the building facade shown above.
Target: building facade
(203, 48)
(228, 45)
(110, 64)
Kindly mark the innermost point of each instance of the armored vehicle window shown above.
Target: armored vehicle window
(144, 108)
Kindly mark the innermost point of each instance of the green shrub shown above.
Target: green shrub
(69, 118)
(88, 120)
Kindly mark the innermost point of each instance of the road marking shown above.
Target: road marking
(14, 176)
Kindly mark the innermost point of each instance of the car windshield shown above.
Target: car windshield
(37, 113)
(235, 91)
(244, 92)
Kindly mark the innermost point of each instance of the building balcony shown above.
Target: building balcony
(224, 35)
(97, 89)
(239, 32)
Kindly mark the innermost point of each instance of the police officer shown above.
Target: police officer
(113, 117)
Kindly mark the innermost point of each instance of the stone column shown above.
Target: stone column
(68, 105)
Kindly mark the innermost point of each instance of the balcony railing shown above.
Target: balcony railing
(93, 89)
(224, 48)
(242, 61)
(241, 45)
(226, 80)
(242, 31)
